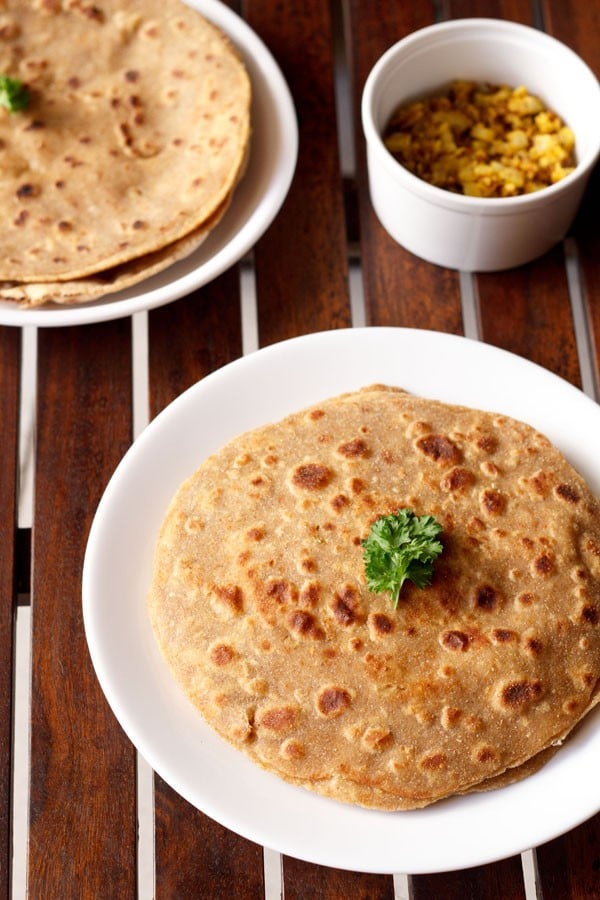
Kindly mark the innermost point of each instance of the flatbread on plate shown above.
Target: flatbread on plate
(260, 604)
(136, 132)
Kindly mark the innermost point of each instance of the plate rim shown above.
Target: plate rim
(264, 210)
(356, 860)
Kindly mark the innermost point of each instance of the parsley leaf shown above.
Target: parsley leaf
(401, 547)
(13, 94)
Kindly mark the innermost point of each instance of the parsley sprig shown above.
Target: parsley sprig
(13, 94)
(401, 547)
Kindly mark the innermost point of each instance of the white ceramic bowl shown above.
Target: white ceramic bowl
(475, 233)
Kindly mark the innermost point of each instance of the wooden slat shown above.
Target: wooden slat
(82, 812)
(304, 881)
(527, 311)
(195, 857)
(9, 414)
(577, 25)
(301, 263)
(193, 337)
(516, 10)
(399, 288)
(587, 236)
(504, 879)
(570, 865)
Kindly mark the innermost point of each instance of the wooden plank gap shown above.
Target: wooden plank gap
(470, 305)
(273, 874)
(580, 324)
(22, 566)
(140, 377)
(144, 774)
(27, 406)
(21, 751)
(530, 875)
(402, 886)
(358, 309)
(537, 15)
(248, 306)
(343, 87)
(145, 824)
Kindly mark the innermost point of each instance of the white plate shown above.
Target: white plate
(168, 731)
(256, 201)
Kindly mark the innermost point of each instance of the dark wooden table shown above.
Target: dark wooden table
(73, 793)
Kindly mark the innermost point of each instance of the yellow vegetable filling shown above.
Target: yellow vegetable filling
(482, 140)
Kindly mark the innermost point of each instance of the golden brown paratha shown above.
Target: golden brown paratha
(260, 604)
(135, 135)
(109, 281)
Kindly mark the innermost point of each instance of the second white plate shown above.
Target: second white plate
(170, 733)
(256, 201)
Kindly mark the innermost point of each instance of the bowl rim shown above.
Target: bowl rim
(462, 202)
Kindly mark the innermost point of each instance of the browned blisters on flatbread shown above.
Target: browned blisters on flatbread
(485, 754)
(488, 443)
(544, 564)
(339, 502)
(9, 30)
(357, 485)
(450, 717)
(519, 694)
(387, 707)
(28, 190)
(229, 597)
(458, 479)
(281, 590)
(567, 492)
(380, 625)
(454, 640)
(492, 502)
(589, 614)
(312, 476)
(433, 761)
(376, 739)
(354, 449)
(278, 718)
(310, 594)
(533, 645)
(504, 636)
(487, 597)
(304, 624)
(540, 482)
(292, 749)
(332, 701)
(221, 654)
(346, 606)
(439, 448)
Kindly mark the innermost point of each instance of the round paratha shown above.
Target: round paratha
(260, 603)
(135, 134)
(109, 281)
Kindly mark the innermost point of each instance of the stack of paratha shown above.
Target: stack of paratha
(260, 604)
(135, 136)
